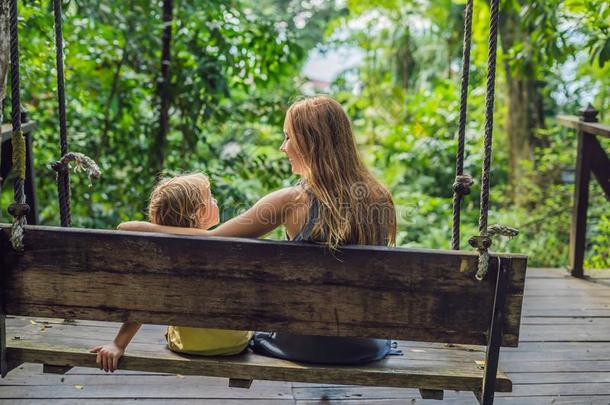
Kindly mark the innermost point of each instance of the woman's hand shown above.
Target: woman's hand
(108, 356)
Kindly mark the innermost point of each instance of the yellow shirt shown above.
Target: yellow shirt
(207, 342)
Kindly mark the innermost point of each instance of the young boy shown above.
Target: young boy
(184, 201)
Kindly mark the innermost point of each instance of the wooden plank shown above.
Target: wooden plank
(602, 311)
(432, 372)
(594, 128)
(564, 333)
(148, 401)
(543, 272)
(600, 166)
(592, 366)
(258, 285)
(6, 130)
(433, 375)
(532, 363)
(463, 400)
(561, 389)
(581, 204)
(528, 347)
(4, 369)
(153, 388)
(559, 378)
(347, 394)
(30, 181)
(601, 322)
(150, 339)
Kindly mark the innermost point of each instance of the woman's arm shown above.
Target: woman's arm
(267, 214)
(143, 226)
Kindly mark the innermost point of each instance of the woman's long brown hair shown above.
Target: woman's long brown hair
(354, 208)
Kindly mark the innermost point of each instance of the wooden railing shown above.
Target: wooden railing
(6, 134)
(591, 158)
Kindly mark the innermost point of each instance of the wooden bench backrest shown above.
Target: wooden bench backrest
(231, 283)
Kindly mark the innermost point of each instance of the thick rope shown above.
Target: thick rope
(19, 208)
(63, 177)
(462, 183)
(483, 241)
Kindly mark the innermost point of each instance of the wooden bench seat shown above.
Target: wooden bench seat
(422, 365)
(419, 295)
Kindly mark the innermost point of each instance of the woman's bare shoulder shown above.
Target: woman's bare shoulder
(286, 196)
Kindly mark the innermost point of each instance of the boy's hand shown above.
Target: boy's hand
(108, 356)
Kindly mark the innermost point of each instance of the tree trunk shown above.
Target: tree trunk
(525, 105)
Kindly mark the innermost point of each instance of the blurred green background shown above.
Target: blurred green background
(394, 64)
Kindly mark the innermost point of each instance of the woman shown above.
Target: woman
(337, 202)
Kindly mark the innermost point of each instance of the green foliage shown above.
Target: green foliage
(236, 66)
(232, 64)
(407, 128)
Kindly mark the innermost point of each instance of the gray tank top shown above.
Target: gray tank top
(319, 349)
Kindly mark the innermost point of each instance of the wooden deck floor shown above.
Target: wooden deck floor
(563, 358)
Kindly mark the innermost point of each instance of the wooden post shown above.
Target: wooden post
(3, 362)
(30, 182)
(4, 63)
(578, 229)
(494, 339)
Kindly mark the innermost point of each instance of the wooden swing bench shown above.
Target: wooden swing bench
(407, 294)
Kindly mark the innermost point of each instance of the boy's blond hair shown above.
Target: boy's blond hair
(176, 201)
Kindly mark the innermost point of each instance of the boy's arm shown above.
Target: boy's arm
(108, 355)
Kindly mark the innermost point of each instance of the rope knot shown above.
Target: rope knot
(19, 148)
(81, 162)
(18, 209)
(502, 230)
(483, 242)
(480, 242)
(462, 184)
(59, 166)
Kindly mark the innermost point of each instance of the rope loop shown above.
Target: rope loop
(18, 144)
(502, 230)
(483, 242)
(462, 184)
(18, 209)
(81, 163)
